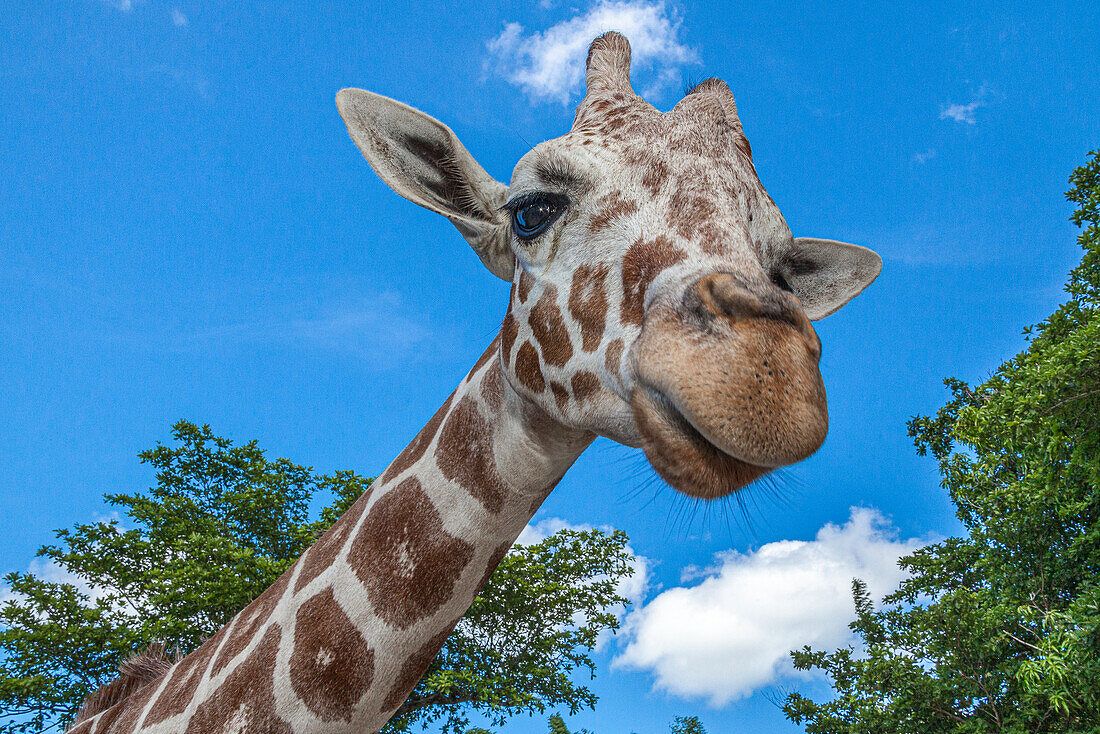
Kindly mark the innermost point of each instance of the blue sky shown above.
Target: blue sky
(186, 231)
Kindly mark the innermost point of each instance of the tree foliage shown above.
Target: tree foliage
(687, 725)
(557, 726)
(680, 725)
(221, 523)
(997, 631)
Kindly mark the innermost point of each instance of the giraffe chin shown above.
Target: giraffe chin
(682, 456)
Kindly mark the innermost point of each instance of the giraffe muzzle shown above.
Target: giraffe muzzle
(726, 390)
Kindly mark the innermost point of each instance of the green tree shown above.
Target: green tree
(997, 631)
(220, 525)
(681, 725)
(557, 725)
(687, 725)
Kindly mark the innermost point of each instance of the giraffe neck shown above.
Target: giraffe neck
(341, 639)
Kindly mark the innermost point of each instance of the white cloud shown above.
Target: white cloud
(667, 78)
(544, 528)
(49, 570)
(731, 633)
(961, 112)
(965, 113)
(124, 5)
(549, 65)
(922, 158)
(178, 18)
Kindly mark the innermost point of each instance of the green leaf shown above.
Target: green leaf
(998, 630)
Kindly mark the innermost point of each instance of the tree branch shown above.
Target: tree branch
(1073, 399)
(434, 699)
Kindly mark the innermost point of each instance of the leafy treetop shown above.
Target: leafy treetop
(997, 631)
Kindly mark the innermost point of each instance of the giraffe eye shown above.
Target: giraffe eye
(533, 214)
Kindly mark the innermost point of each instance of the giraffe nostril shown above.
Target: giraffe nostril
(723, 295)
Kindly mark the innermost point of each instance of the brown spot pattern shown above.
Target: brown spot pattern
(688, 214)
(654, 175)
(561, 394)
(588, 303)
(508, 332)
(613, 122)
(643, 262)
(613, 356)
(465, 455)
(128, 705)
(524, 288)
(244, 703)
(249, 622)
(527, 368)
(322, 553)
(415, 668)
(183, 680)
(492, 388)
(405, 559)
(418, 446)
(612, 207)
(331, 666)
(584, 385)
(123, 716)
(549, 328)
(696, 218)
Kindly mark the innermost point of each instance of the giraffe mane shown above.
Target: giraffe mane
(134, 673)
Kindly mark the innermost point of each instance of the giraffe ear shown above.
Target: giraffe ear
(422, 159)
(825, 274)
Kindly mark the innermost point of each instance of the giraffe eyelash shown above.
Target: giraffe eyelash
(530, 198)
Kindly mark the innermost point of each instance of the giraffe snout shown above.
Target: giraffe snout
(728, 384)
(728, 298)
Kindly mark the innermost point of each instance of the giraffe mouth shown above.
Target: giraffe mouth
(681, 455)
(718, 409)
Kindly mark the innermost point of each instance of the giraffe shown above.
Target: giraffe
(658, 298)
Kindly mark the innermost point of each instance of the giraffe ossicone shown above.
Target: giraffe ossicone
(658, 299)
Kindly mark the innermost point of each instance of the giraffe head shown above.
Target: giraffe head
(658, 297)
